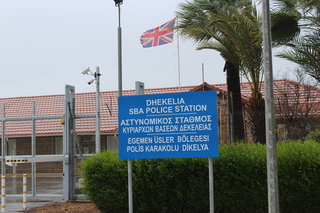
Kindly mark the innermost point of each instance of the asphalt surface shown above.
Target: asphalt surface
(18, 206)
(14, 204)
(48, 190)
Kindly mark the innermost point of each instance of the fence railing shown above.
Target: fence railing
(290, 125)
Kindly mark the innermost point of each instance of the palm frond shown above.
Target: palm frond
(306, 53)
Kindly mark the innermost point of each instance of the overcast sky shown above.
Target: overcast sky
(46, 44)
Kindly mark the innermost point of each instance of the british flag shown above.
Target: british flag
(158, 36)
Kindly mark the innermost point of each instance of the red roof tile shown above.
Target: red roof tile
(52, 105)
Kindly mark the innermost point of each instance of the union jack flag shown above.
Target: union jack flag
(158, 36)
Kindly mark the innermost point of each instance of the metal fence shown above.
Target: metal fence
(293, 122)
(46, 177)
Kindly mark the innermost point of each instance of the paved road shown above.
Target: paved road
(48, 190)
(14, 204)
(18, 207)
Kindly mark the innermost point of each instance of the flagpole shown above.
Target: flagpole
(119, 54)
(202, 76)
(178, 53)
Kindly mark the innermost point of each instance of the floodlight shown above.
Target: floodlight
(91, 81)
(118, 2)
(85, 72)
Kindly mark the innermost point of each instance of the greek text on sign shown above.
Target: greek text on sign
(176, 125)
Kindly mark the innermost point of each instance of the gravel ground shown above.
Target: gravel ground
(62, 207)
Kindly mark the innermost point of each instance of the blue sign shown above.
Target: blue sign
(176, 125)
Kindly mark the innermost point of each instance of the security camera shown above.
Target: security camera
(91, 81)
(84, 72)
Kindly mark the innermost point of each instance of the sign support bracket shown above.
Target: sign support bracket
(139, 91)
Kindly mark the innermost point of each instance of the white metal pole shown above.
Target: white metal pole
(178, 50)
(33, 147)
(202, 77)
(211, 185)
(119, 55)
(3, 139)
(120, 94)
(3, 193)
(130, 196)
(139, 91)
(24, 191)
(97, 75)
(14, 166)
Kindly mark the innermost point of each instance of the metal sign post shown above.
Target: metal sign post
(211, 185)
(139, 91)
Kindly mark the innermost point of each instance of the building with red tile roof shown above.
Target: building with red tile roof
(52, 105)
(297, 113)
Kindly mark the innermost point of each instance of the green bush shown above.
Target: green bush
(181, 185)
(240, 174)
(314, 136)
(105, 181)
(299, 176)
(170, 185)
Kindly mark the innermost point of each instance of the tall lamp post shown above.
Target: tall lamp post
(97, 80)
(130, 197)
(118, 3)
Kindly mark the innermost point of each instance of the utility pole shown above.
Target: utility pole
(272, 167)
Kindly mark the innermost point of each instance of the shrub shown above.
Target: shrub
(314, 136)
(181, 185)
(105, 181)
(240, 174)
(299, 176)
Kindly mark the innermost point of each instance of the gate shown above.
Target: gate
(50, 161)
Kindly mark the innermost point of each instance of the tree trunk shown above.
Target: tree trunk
(234, 103)
(255, 109)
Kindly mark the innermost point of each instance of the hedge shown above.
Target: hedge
(181, 185)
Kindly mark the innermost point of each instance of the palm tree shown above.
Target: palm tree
(194, 18)
(233, 29)
(290, 17)
(305, 51)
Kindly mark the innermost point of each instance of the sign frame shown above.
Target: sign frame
(172, 125)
